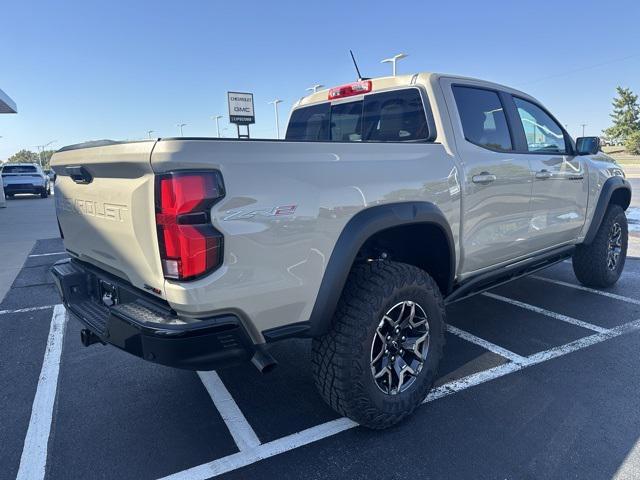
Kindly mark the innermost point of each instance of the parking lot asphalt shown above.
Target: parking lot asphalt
(540, 380)
(25, 219)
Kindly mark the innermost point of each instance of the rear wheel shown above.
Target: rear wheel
(600, 263)
(379, 360)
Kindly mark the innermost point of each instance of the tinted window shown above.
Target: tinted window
(19, 169)
(483, 119)
(542, 132)
(346, 122)
(309, 123)
(394, 116)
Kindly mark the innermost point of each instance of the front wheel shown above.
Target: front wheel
(44, 193)
(379, 359)
(600, 263)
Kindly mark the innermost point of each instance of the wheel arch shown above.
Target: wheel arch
(616, 190)
(382, 221)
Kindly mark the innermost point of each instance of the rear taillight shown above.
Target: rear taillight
(189, 245)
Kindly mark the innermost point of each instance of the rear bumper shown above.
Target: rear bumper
(145, 326)
(11, 189)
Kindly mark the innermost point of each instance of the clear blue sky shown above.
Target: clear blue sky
(83, 70)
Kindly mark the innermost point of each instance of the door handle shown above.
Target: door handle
(543, 174)
(484, 178)
(79, 174)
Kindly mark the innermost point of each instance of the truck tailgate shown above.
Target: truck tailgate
(105, 206)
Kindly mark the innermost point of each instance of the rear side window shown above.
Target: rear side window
(543, 134)
(19, 169)
(394, 116)
(483, 119)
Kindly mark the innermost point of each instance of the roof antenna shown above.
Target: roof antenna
(355, 64)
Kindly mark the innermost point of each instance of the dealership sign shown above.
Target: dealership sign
(241, 108)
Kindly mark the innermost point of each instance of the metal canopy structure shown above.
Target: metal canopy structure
(6, 104)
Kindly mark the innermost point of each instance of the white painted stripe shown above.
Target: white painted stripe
(548, 313)
(237, 424)
(267, 450)
(492, 347)
(313, 434)
(46, 254)
(536, 358)
(34, 452)
(24, 310)
(587, 289)
(472, 380)
(583, 343)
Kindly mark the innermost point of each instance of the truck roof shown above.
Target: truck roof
(383, 83)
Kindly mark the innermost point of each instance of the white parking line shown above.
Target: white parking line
(295, 440)
(34, 452)
(536, 358)
(267, 450)
(237, 424)
(587, 289)
(492, 347)
(25, 310)
(548, 313)
(46, 254)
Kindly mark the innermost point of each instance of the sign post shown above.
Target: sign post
(241, 110)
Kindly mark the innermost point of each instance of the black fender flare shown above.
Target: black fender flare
(356, 232)
(610, 186)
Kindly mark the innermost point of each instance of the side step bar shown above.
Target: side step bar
(486, 281)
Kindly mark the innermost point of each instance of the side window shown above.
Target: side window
(346, 122)
(483, 119)
(395, 116)
(542, 132)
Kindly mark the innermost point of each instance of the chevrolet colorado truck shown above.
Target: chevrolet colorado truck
(389, 198)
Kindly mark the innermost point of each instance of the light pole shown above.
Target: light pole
(149, 132)
(217, 119)
(180, 125)
(393, 60)
(41, 149)
(275, 107)
(583, 125)
(314, 88)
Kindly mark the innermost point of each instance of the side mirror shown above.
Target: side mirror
(588, 145)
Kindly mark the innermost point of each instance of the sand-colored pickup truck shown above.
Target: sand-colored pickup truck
(389, 198)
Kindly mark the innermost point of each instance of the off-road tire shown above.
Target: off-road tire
(341, 358)
(590, 261)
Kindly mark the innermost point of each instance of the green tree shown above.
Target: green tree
(632, 145)
(625, 116)
(24, 156)
(46, 158)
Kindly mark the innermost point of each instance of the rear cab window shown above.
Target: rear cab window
(391, 116)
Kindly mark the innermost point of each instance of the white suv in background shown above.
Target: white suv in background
(25, 178)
